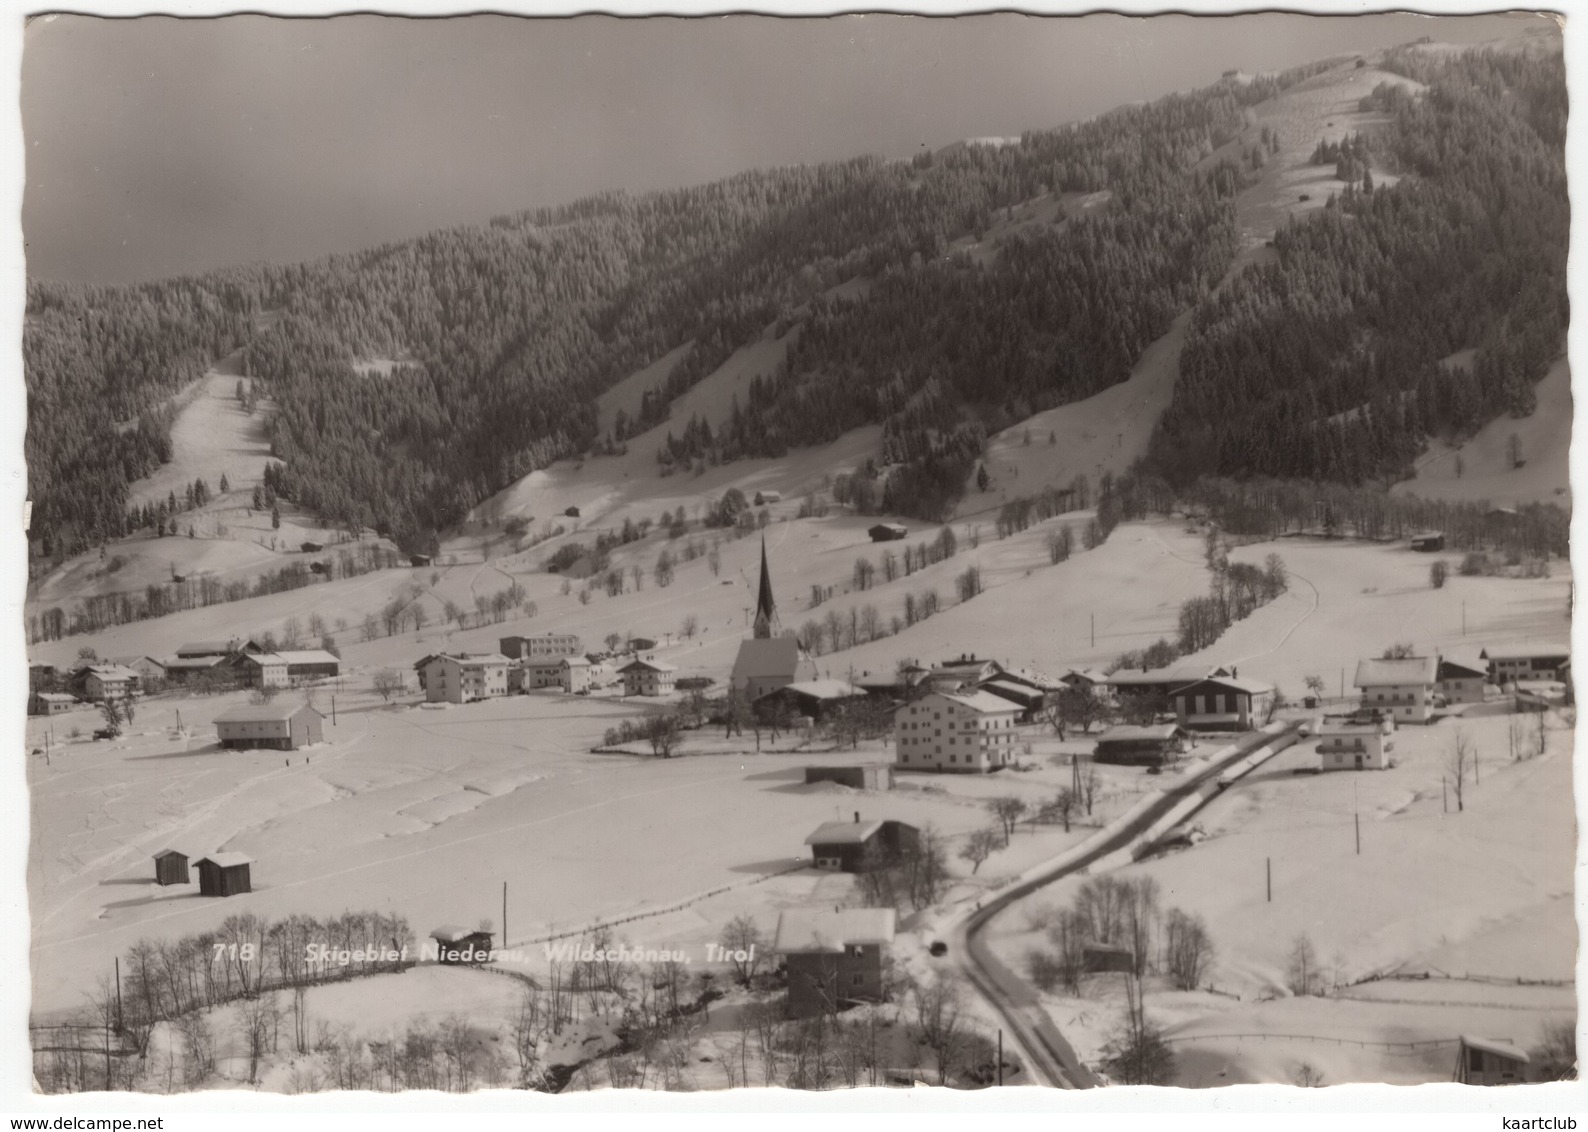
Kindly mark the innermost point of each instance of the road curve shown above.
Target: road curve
(1049, 1056)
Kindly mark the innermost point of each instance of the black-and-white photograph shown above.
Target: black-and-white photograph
(664, 554)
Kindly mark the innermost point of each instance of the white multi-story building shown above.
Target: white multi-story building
(546, 646)
(970, 733)
(1401, 689)
(465, 677)
(647, 678)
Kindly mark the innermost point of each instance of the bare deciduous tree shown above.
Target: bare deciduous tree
(1007, 811)
(387, 682)
(1460, 764)
(1188, 951)
(1301, 973)
(978, 847)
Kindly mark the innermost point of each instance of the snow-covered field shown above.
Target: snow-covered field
(1451, 909)
(429, 812)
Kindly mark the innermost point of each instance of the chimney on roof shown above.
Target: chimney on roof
(857, 817)
(1235, 672)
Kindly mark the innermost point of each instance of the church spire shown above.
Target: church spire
(765, 606)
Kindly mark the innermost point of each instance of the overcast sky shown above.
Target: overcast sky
(159, 146)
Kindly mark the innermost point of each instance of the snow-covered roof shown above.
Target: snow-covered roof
(226, 860)
(202, 648)
(263, 659)
(575, 662)
(824, 689)
(112, 672)
(475, 659)
(761, 657)
(1548, 649)
(129, 661)
(1495, 1046)
(1330, 728)
(1007, 689)
(57, 697)
(1177, 676)
(1239, 684)
(984, 702)
(844, 832)
(452, 933)
(262, 713)
(1032, 676)
(169, 853)
(309, 656)
(1156, 732)
(804, 930)
(1403, 670)
(647, 665)
(1470, 665)
(1090, 675)
(180, 662)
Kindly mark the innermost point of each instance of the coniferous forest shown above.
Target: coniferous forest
(1323, 363)
(1326, 364)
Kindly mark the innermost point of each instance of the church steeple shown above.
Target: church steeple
(765, 606)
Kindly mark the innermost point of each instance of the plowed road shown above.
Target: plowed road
(1050, 1058)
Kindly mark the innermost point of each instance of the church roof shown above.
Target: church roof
(764, 657)
(765, 604)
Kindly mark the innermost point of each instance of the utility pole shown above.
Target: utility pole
(118, 995)
(504, 913)
(1269, 865)
(1000, 1057)
(1444, 795)
(1094, 630)
(1356, 814)
(333, 711)
(1463, 619)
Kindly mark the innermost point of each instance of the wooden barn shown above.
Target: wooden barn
(170, 867)
(815, 699)
(1461, 681)
(1029, 700)
(224, 874)
(888, 532)
(843, 846)
(194, 649)
(1124, 745)
(764, 497)
(865, 777)
(181, 669)
(1489, 1061)
(1101, 958)
(461, 945)
(1223, 703)
(1428, 541)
